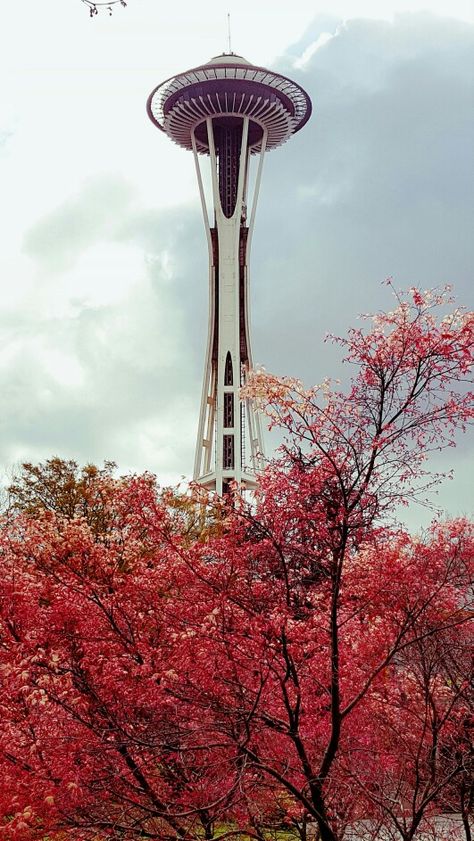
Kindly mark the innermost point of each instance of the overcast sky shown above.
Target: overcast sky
(103, 261)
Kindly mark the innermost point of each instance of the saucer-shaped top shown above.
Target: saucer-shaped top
(227, 89)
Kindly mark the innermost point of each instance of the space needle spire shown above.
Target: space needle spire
(228, 110)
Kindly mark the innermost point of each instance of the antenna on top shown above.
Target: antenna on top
(228, 34)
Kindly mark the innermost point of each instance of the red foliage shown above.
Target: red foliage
(304, 661)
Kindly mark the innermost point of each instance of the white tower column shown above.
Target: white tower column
(230, 443)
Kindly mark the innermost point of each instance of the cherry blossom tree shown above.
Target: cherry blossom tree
(301, 663)
(349, 460)
(420, 763)
(91, 738)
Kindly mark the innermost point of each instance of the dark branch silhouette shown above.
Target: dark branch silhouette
(94, 8)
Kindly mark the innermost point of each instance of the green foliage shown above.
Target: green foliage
(62, 487)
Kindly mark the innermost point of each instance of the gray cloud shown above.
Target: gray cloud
(377, 184)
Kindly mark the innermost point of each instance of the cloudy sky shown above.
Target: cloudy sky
(103, 262)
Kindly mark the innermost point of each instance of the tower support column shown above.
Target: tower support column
(229, 428)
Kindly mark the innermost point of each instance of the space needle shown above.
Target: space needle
(228, 110)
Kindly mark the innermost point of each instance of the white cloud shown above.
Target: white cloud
(308, 53)
(63, 369)
(105, 274)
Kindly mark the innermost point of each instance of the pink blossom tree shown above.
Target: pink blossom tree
(301, 663)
